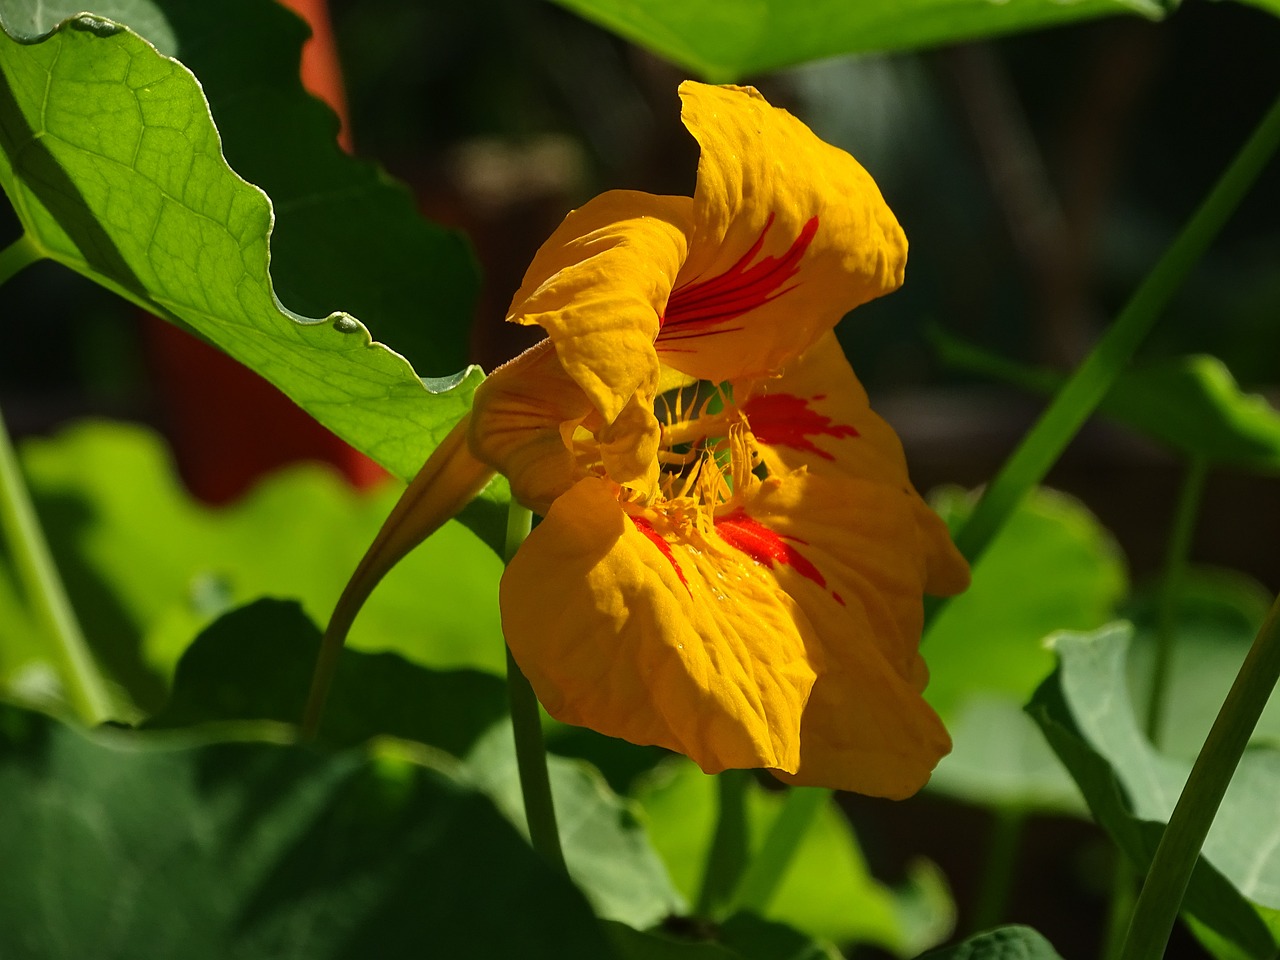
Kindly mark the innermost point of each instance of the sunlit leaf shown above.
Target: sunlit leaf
(148, 567)
(124, 846)
(1003, 943)
(724, 40)
(1085, 712)
(605, 844)
(1053, 567)
(255, 663)
(827, 891)
(113, 164)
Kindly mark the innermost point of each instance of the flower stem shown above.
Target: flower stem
(1166, 882)
(85, 689)
(765, 871)
(1082, 393)
(727, 854)
(1175, 565)
(21, 253)
(526, 724)
(1000, 869)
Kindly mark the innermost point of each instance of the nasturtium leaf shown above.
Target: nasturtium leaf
(1086, 714)
(127, 846)
(113, 164)
(1053, 567)
(827, 891)
(255, 663)
(1002, 943)
(743, 936)
(605, 843)
(148, 567)
(724, 40)
(632, 944)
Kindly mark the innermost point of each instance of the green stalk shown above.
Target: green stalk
(763, 876)
(1000, 869)
(21, 253)
(727, 854)
(1175, 565)
(526, 724)
(1166, 883)
(1082, 393)
(85, 689)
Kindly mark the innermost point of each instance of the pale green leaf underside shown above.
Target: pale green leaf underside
(112, 161)
(729, 39)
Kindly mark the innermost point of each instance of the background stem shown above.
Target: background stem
(764, 873)
(727, 854)
(17, 255)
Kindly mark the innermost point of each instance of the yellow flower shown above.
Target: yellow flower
(732, 560)
(735, 572)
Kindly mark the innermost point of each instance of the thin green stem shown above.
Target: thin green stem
(1175, 565)
(21, 253)
(1086, 388)
(85, 689)
(1166, 882)
(764, 873)
(999, 871)
(1124, 893)
(727, 854)
(526, 724)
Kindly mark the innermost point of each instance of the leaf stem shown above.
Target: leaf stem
(1000, 869)
(1085, 389)
(765, 871)
(21, 253)
(1175, 565)
(1175, 857)
(727, 854)
(526, 724)
(86, 691)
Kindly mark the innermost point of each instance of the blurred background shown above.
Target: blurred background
(1038, 178)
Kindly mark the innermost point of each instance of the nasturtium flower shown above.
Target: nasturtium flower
(731, 560)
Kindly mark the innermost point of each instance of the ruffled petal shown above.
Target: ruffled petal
(817, 415)
(598, 286)
(658, 640)
(789, 234)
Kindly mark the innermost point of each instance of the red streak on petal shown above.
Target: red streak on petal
(764, 546)
(785, 420)
(698, 304)
(645, 527)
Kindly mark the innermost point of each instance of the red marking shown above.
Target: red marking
(645, 527)
(698, 304)
(764, 546)
(785, 420)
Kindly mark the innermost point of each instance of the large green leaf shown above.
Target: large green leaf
(1003, 943)
(148, 567)
(124, 846)
(1053, 567)
(827, 891)
(1086, 713)
(605, 843)
(114, 166)
(255, 662)
(728, 39)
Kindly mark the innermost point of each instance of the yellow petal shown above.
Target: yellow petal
(789, 234)
(598, 286)
(696, 650)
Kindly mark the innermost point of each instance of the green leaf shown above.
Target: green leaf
(124, 846)
(827, 891)
(632, 944)
(147, 567)
(605, 844)
(255, 663)
(1003, 943)
(1053, 567)
(1086, 714)
(112, 162)
(743, 936)
(724, 40)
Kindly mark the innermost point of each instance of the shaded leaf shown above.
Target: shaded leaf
(605, 844)
(123, 846)
(724, 40)
(743, 936)
(1053, 567)
(255, 663)
(1086, 714)
(1003, 943)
